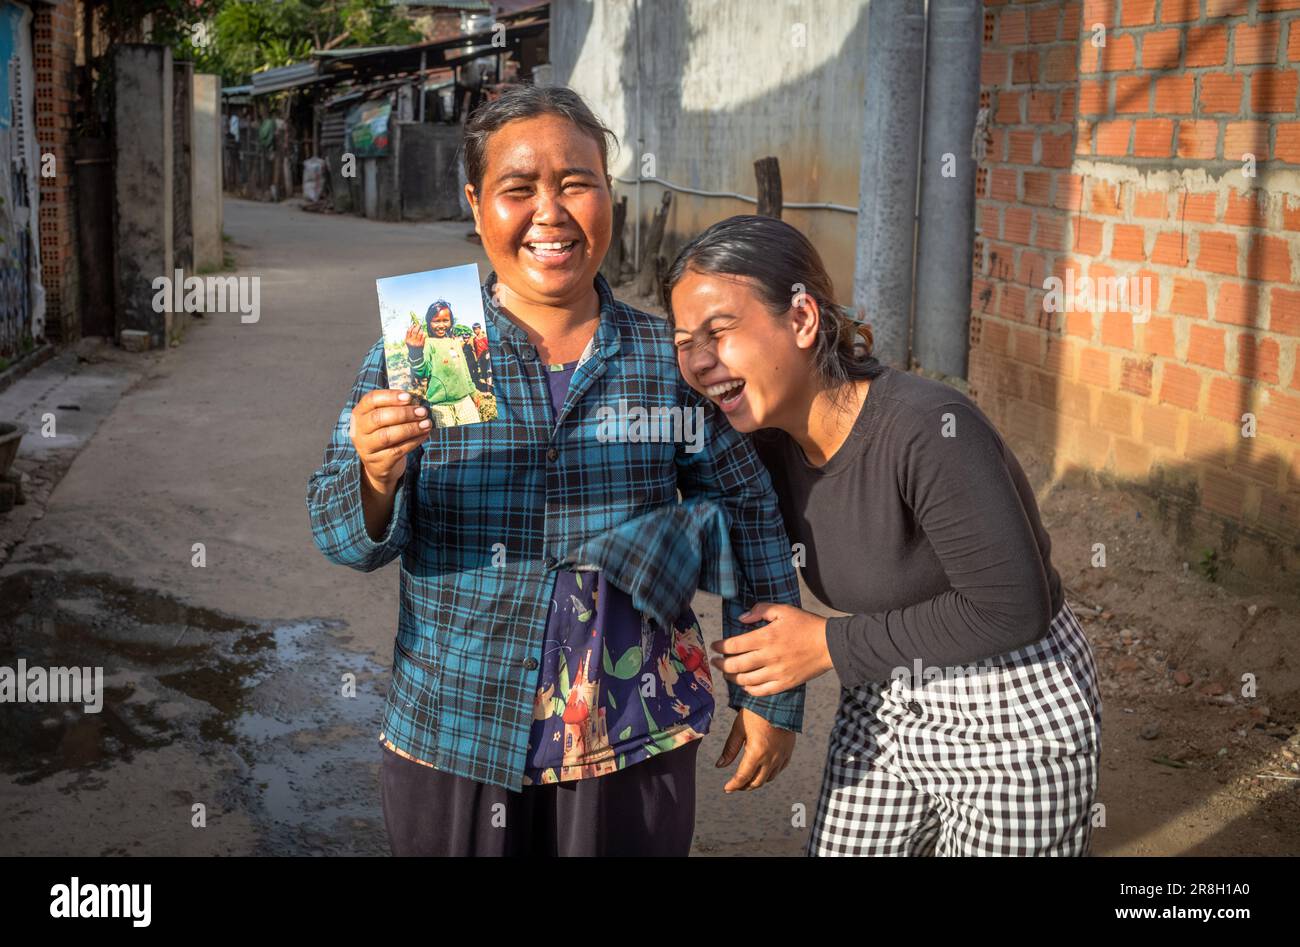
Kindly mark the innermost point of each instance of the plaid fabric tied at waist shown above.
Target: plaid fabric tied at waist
(661, 558)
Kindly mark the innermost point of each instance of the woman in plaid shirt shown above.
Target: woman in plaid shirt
(530, 714)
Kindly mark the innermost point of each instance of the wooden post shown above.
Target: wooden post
(646, 284)
(423, 79)
(661, 274)
(768, 173)
(612, 267)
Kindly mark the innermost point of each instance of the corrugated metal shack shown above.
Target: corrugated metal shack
(385, 120)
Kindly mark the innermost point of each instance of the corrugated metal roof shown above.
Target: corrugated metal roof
(408, 57)
(506, 7)
(449, 4)
(512, 7)
(349, 51)
(363, 63)
(286, 77)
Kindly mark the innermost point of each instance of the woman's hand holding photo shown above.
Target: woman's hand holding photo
(386, 427)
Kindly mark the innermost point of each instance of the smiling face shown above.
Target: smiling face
(544, 210)
(440, 324)
(730, 347)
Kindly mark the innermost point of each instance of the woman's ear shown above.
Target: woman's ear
(805, 319)
(473, 205)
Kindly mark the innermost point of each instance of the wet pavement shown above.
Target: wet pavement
(283, 701)
(225, 682)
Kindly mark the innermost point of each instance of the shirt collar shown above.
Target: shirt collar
(605, 340)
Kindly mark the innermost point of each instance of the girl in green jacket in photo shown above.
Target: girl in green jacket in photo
(440, 361)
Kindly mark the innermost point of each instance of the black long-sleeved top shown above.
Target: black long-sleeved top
(924, 527)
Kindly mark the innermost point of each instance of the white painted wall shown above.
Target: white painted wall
(205, 177)
(725, 82)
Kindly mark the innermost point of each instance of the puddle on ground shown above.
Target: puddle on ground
(271, 692)
(43, 554)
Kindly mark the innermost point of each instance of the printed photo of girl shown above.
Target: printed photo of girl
(440, 361)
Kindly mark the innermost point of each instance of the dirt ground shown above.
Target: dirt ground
(1203, 762)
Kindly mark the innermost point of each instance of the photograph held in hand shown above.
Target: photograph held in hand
(441, 355)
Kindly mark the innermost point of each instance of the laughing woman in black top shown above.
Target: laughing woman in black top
(969, 720)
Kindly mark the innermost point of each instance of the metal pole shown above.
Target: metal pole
(882, 284)
(640, 141)
(941, 327)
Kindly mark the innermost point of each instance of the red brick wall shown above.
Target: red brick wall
(54, 47)
(434, 27)
(445, 26)
(1126, 161)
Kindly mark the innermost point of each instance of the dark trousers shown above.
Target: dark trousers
(646, 809)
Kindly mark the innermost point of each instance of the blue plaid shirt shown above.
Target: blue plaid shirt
(485, 512)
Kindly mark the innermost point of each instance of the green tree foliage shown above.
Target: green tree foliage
(154, 21)
(237, 38)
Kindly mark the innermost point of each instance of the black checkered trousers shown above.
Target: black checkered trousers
(995, 758)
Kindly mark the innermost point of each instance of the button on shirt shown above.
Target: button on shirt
(482, 516)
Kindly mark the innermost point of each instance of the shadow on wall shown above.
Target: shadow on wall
(792, 121)
(1205, 523)
(1233, 489)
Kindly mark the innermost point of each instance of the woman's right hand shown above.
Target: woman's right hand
(386, 426)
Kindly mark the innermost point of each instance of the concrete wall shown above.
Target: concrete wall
(723, 84)
(142, 191)
(427, 157)
(205, 183)
(381, 191)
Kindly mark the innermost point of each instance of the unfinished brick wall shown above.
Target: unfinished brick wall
(1125, 159)
(54, 48)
